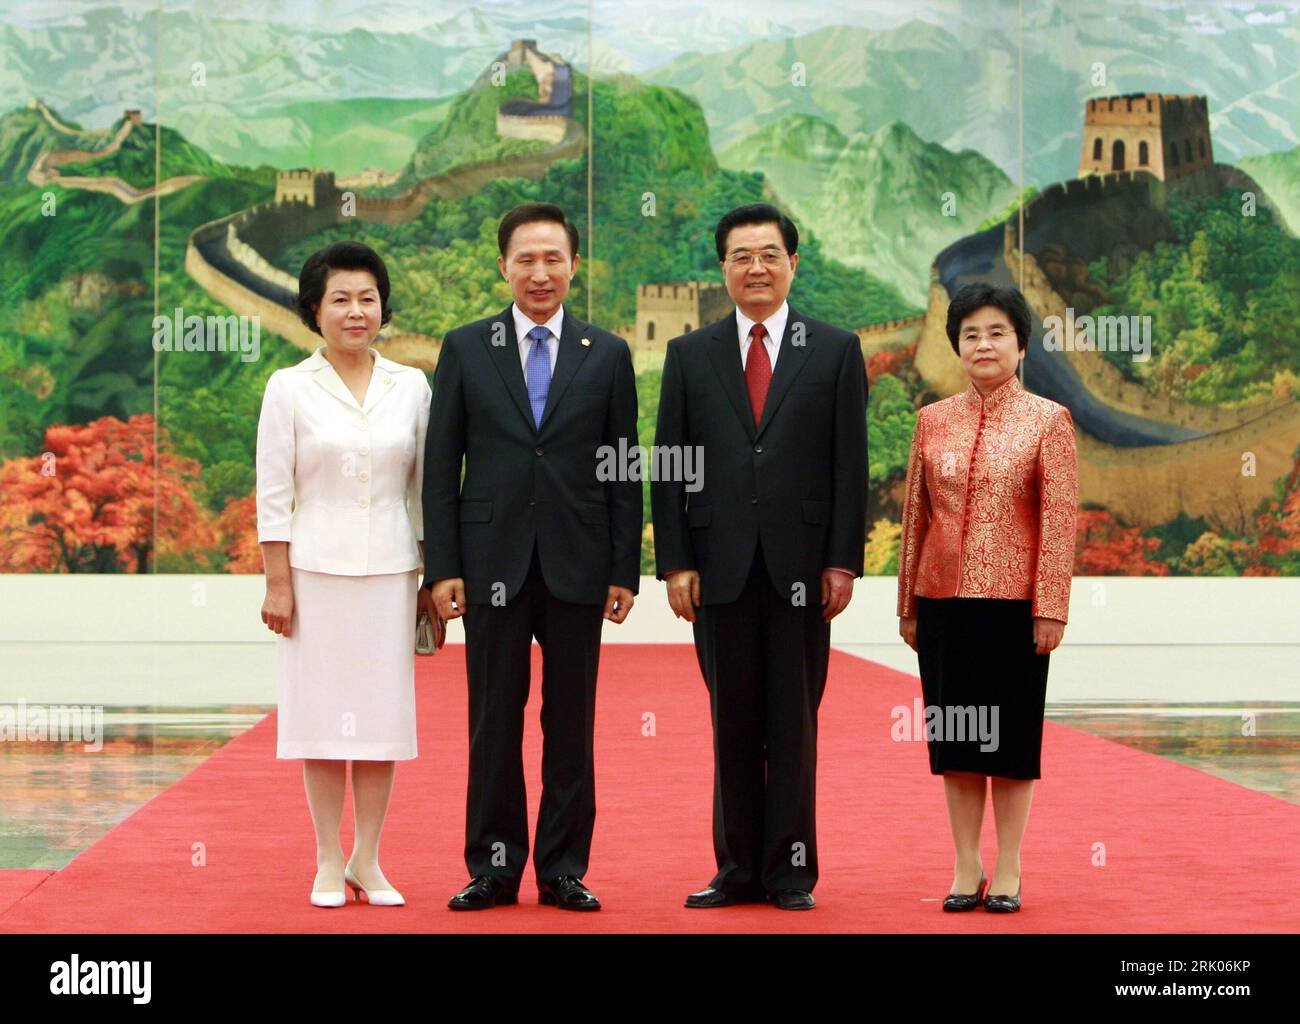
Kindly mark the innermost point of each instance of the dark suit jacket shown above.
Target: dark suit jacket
(524, 485)
(798, 481)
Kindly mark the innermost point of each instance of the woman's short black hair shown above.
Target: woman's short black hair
(755, 213)
(976, 296)
(339, 256)
(531, 213)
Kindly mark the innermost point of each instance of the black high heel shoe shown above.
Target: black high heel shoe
(957, 902)
(1003, 904)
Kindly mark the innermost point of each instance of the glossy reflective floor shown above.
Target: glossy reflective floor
(1256, 746)
(57, 798)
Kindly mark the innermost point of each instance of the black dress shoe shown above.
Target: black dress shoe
(568, 893)
(957, 901)
(711, 897)
(484, 891)
(1003, 904)
(793, 899)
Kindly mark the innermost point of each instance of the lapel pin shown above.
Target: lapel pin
(586, 341)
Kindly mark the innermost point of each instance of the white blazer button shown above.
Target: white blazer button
(364, 475)
(361, 423)
(363, 452)
(363, 502)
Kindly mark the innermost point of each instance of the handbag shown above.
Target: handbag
(424, 641)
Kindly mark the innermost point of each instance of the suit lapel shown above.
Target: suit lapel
(567, 360)
(328, 378)
(506, 358)
(790, 360)
(381, 386)
(724, 352)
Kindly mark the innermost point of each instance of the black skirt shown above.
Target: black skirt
(984, 686)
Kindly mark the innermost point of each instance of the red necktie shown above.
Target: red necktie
(758, 371)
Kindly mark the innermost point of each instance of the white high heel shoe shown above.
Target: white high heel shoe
(375, 897)
(328, 897)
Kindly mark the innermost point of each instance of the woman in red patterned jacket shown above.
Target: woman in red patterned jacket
(985, 561)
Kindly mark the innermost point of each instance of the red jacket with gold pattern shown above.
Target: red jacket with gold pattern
(991, 501)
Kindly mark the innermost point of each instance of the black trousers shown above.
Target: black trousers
(764, 660)
(497, 651)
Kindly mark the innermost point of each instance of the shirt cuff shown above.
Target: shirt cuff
(836, 568)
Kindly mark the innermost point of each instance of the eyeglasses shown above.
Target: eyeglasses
(995, 334)
(770, 258)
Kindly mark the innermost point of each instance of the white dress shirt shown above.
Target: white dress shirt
(524, 323)
(775, 327)
(340, 481)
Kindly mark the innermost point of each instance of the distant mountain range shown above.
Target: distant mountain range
(956, 84)
(950, 73)
(1278, 175)
(887, 201)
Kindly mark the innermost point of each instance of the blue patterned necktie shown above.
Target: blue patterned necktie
(539, 373)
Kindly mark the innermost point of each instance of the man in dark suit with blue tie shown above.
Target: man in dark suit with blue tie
(534, 543)
(763, 555)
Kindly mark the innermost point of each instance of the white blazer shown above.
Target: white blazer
(341, 481)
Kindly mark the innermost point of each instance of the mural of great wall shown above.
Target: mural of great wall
(230, 257)
(1146, 455)
(1143, 456)
(45, 171)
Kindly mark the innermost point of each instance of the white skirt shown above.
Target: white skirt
(347, 672)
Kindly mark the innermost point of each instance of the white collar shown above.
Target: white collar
(317, 361)
(524, 323)
(774, 324)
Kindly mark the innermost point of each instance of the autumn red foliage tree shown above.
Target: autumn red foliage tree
(236, 530)
(1104, 547)
(1277, 531)
(891, 362)
(86, 504)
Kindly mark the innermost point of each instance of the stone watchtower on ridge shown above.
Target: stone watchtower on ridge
(665, 311)
(1167, 136)
(305, 185)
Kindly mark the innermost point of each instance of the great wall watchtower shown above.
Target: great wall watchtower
(665, 311)
(1167, 136)
(545, 119)
(304, 185)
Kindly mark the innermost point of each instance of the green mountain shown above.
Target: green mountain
(887, 201)
(1279, 176)
(76, 290)
(655, 207)
(25, 134)
(468, 131)
(856, 79)
(796, 153)
(344, 136)
(134, 162)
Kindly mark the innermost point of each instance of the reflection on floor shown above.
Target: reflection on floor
(57, 798)
(1255, 745)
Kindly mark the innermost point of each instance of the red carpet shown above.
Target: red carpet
(14, 885)
(1184, 851)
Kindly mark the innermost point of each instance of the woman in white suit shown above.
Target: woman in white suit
(339, 457)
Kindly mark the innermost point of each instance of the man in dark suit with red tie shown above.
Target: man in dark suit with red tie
(763, 552)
